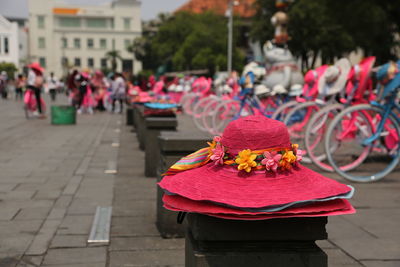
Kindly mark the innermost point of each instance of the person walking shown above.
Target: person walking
(35, 82)
(3, 84)
(52, 84)
(19, 87)
(118, 87)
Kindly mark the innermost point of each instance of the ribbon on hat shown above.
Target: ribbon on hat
(270, 159)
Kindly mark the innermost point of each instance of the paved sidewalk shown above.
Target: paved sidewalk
(52, 179)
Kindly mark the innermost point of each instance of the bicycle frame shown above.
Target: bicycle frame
(388, 110)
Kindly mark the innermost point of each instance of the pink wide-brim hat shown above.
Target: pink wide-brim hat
(311, 79)
(36, 66)
(364, 73)
(178, 203)
(226, 185)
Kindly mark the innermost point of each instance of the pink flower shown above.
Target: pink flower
(217, 139)
(218, 155)
(299, 155)
(271, 160)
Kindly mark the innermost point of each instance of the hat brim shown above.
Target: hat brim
(330, 208)
(226, 185)
(339, 84)
(185, 204)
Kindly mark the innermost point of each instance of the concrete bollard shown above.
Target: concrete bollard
(153, 127)
(129, 116)
(173, 146)
(138, 118)
(288, 242)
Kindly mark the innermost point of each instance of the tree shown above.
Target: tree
(113, 56)
(188, 41)
(331, 29)
(10, 68)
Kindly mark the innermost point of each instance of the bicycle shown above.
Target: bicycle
(358, 91)
(367, 133)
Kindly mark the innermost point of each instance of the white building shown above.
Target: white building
(9, 46)
(62, 36)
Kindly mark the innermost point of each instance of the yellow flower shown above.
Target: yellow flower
(287, 160)
(245, 160)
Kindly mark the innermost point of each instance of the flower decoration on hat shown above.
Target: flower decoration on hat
(246, 160)
(271, 160)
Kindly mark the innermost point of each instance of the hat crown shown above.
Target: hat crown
(255, 133)
(332, 73)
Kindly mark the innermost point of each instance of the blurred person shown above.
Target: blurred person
(85, 100)
(99, 85)
(52, 84)
(3, 84)
(72, 89)
(35, 82)
(118, 87)
(20, 84)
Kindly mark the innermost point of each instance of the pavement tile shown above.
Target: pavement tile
(47, 194)
(42, 239)
(69, 241)
(147, 258)
(6, 187)
(72, 256)
(133, 226)
(75, 225)
(17, 243)
(20, 195)
(33, 213)
(337, 258)
(140, 208)
(146, 243)
(7, 213)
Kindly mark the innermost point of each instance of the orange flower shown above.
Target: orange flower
(288, 159)
(246, 160)
(212, 145)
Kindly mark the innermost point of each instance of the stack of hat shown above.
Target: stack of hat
(252, 172)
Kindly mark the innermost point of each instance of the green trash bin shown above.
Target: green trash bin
(63, 115)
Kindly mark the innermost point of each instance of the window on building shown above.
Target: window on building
(127, 43)
(69, 22)
(112, 23)
(41, 22)
(90, 43)
(77, 43)
(41, 42)
(103, 43)
(90, 62)
(42, 61)
(96, 23)
(127, 23)
(77, 62)
(103, 63)
(6, 45)
(64, 42)
(64, 62)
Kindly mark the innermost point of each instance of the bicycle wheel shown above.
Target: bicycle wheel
(209, 111)
(296, 122)
(349, 131)
(223, 114)
(315, 133)
(283, 110)
(199, 112)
